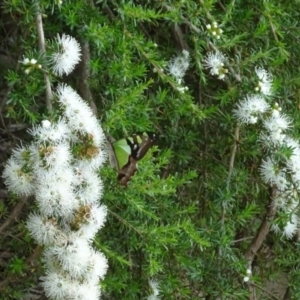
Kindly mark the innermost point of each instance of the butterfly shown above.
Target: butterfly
(128, 151)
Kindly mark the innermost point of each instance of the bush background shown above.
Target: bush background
(192, 212)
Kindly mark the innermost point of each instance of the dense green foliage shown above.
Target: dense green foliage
(189, 214)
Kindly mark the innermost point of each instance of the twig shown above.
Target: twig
(231, 164)
(124, 222)
(271, 296)
(13, 216)
(274, 31)
(83, 87)
(243, 239)
(263, 230)
(261, 235)
(179, 37)
(29, 260)
(41, 37)
(233, 153)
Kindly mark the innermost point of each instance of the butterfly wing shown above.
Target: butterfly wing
(122, 152)
(128, 151)
(125, 174)
(141, 143)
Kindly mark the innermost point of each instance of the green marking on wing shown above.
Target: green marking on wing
(122, 152)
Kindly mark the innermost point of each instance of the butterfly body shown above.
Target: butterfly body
(128, 151)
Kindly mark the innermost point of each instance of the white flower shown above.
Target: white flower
(57, 200)
(87, 291)
(89, 185)
(250, 108)
(262, 74)
(275, 113)
(67, 57)
(17, 179)
(79, 115)
(58, 156)
(67, 96)
(62, 176)
(281, 181)
(81, 119)
(98, 266)
(246, 278)
(181, 89)
(244, 116)
(57, 286)
(94, 220)
(248, 271)
(178, 65)
(73, 257)
(43, 230)
(275, 228)
(293, 202)
(215, 62)
(46, 123)
(272, 174)
(277, 123)
(25, 61)
(21, 155)
(265, 81)
(291, 227)
(272, 138)
(155, 288)
(96, 161)
(256, 104)
(48, 132)
(253, 120)
(51, 157)
(293, 164)
(214, 30)
(185, 53)
(31, 63)
(275, 126)
(280, 201)
(294, 145)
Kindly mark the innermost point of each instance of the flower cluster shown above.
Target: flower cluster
(30, 64)
(215, 62)
(178, 66)
(67, 56)
(250, 109)
(59, 168)
(248, 275)
(265, 81)
(281, 167)
(214, 30)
